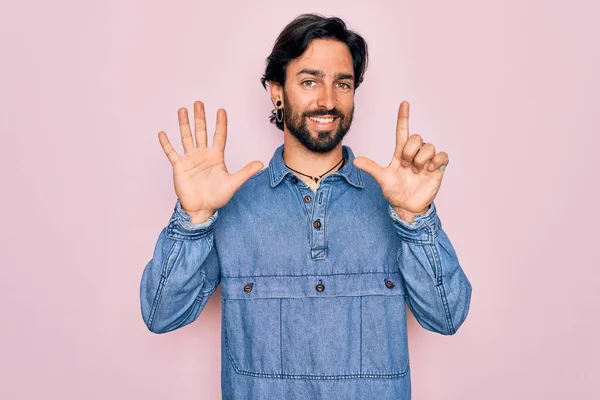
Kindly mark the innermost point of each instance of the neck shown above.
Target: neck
(298, 157)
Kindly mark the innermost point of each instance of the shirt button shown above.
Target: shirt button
(317, 224)
(389, 284)
(248, 288)
(307, 199)
(294, 180)
(320, 287)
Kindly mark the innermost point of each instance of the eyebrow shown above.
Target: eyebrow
(321, 74)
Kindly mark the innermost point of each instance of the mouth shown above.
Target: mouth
(323, 122)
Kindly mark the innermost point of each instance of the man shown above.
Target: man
(317, 254)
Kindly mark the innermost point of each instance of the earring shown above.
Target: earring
(279, 112)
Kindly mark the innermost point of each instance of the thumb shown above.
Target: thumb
(370, 167)
(251, 169)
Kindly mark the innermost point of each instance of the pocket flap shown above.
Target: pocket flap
(361, 284)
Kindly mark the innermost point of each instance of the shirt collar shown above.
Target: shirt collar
(352, 174)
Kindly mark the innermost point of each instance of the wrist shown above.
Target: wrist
(199, 217)
(409, 216)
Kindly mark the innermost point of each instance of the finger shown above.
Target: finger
(251, 169)
(412, 146)
(167, 147)
(200, 124)
(402, 127)
(370, 167)
(221, 131)
(439, 161)
(184, 128)
(425, 153)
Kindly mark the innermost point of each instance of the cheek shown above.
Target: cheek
(298, 97)
(306, 102)
(346, 105)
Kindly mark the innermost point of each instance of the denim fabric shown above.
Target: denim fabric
(309, 310)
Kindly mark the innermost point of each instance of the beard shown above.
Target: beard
(325, 141)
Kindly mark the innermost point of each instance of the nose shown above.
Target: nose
(326, 98)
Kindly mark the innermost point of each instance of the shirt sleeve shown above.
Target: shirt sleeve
(182, 274)
(180, 227)
(438, 291)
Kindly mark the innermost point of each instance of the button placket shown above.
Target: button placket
(317, 223)
(308, 202)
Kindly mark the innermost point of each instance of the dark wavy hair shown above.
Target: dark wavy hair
(296, 37)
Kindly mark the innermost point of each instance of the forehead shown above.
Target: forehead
(327, 55)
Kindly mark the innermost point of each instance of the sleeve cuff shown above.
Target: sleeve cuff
(424, 229)
(180, 227)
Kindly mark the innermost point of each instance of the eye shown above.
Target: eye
(344, 86)
(308, 83)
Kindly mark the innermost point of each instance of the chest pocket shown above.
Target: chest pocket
(316, 327)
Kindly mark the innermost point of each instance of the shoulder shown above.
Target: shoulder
(256, 182)
(250, 191)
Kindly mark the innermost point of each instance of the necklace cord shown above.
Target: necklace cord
(317, 178)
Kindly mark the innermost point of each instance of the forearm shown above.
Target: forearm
(438, 291)
(182, 274)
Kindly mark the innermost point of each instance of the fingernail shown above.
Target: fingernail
(416, 171)
(430, 167)
(404, 163)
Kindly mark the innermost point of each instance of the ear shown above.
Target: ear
(276, 92)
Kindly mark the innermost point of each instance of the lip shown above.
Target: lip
(324, 126)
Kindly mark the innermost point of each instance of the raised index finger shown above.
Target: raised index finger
(402, 127)
(221, 132)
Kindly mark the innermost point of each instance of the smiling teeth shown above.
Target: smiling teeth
(322, 120)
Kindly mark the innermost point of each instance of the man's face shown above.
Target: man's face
(318, 95)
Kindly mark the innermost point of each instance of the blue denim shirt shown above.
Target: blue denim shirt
(313, 285)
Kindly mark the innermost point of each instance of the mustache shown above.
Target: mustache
(333, 112)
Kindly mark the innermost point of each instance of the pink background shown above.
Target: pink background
(508, 88)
